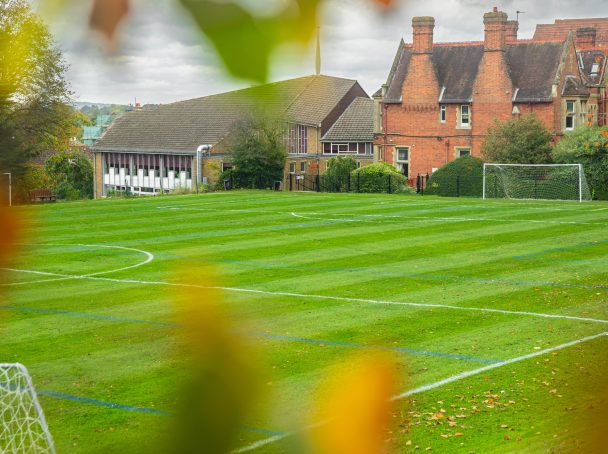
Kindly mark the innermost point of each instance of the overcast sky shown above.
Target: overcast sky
(163, 58)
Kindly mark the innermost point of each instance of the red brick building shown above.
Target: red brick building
(440, 98)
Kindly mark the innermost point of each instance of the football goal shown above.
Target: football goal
(535, 182)
(23, 428)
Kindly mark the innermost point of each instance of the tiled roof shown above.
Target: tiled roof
(184, 125)
(356, 124)
(532, 66)
(456, 68)
(560, 29)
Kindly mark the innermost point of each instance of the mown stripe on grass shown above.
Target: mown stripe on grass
(256, 335)
(135, 409)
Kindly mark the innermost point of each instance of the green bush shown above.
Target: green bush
(587, 145)
(336, 177)
(461, 177)
(379, 177)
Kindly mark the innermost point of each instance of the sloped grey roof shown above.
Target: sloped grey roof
(356, 124)
(532, 67)
(456, 68)
(184, 125)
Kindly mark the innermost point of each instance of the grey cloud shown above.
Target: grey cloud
(163, 57)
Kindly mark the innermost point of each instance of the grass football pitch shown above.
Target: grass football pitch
(495, 312)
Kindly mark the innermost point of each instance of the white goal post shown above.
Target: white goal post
(23, 428)
(535, 182)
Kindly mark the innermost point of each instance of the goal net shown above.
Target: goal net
(535, 182)
(23, 428)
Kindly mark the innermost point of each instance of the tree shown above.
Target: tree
(587, 145)
(336, 177)
(518, 141)
(72, 175)
(259, 152)
(33, 91)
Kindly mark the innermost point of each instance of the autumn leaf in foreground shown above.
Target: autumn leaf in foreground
(221, 375)
(354, 408)
(9, 233)
(107, 15)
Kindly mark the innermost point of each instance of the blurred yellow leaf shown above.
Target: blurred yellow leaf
(355, 408)
(107, 15)
(221, 378)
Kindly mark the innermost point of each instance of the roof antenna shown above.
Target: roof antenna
(318, 56)
(518, 13)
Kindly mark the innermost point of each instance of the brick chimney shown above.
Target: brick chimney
(423, 34)
(511, 31)
(585, 37)
(420, 88)
(495, 24)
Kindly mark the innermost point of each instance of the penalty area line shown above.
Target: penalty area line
(328, 297)
(437, 384)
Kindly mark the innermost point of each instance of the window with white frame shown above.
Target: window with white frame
(442, 113)
(403, 160)
(403, 154)
(292, 167)
(462, 151)
(464, 116)
(303, 167)
(570, 114)
(362, 148)
(297, 139)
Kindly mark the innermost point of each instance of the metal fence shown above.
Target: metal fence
(348, 183)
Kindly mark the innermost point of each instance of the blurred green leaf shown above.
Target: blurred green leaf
(246, 42)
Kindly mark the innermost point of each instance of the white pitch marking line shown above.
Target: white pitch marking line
(452, 219)
(437, 384)
(600, 209)
(326, 297)
(149, 258)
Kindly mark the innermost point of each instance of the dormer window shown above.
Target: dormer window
(464, 116)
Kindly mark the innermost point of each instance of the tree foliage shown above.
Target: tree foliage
(518, 141)
(336, 177)
(33, 91)
(71, 173)
(259, 152)
(587, 146)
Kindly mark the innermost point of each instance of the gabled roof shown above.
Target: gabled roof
(184, 125)
(356, 124)
(532, 67)
(560, 29)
